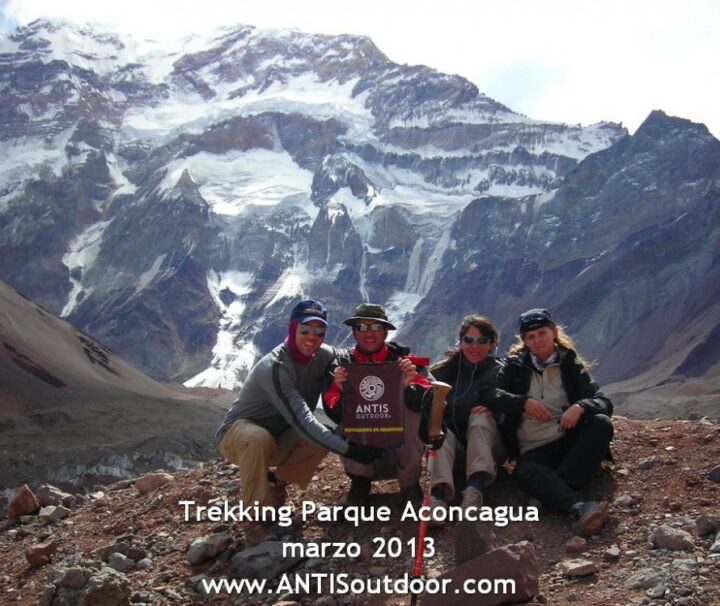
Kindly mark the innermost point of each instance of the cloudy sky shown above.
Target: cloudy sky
(575, 61)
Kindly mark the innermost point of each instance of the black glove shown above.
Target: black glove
(436, 443)
(362, 453)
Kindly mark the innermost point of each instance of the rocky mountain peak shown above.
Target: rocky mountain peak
(660, 125)
(56, 39)
(672, 140)
(241, 160)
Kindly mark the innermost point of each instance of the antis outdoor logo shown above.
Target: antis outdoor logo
(371, 388)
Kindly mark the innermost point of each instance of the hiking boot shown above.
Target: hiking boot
(278, 493)
(358, 493)
(503, 475)
(591, 517)
(411, 494)
(438, 513)
(536, 503)
(472, 497)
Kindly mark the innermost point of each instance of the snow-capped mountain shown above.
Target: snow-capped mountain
(174, 202)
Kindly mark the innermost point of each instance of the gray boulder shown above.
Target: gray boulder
(578, 567)
(707, 524)
(108, 588)
(51, 495)
(264, 561)
(674, 539)
(715, 548)
(84, 586)
(207, 547)
(120, 562)
(646, 578)
(472, 539)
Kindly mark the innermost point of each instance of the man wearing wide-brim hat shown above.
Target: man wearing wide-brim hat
(371, 312)
(370, 326)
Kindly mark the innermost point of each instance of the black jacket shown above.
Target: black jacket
(513, 385)
(470, 384)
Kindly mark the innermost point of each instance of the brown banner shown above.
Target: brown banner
(374, 405)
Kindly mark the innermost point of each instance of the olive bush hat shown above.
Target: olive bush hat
(369, 311)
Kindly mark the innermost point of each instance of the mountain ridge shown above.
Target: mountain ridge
(75, 413)
(270, 166)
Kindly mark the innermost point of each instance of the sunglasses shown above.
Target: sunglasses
(375, 327)
(306, 330)
(481, 340)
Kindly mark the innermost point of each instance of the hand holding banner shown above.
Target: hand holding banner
(374, 405)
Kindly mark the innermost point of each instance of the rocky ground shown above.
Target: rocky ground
(128, 542)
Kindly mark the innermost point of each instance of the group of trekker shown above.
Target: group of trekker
(537, 406)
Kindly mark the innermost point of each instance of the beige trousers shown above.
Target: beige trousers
(254, 451)
(403, 463)
(485, 450)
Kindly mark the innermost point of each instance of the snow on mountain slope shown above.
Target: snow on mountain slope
(263, 164)
(232, 181)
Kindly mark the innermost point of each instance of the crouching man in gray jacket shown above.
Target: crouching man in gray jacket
(271, 424)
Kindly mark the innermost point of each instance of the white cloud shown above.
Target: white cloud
(578, 61)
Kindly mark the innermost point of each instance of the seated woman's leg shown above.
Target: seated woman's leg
(586, 447)
(536, 473)
(485, 448)
(442, 481)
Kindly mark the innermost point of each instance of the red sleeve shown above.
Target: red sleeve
(419, 360)
(331, 397)
(419, 378)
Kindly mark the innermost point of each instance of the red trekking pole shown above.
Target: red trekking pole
(437, 408)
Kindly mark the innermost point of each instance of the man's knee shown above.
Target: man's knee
(242, 438)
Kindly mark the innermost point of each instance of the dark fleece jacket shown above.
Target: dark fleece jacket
(513, 385)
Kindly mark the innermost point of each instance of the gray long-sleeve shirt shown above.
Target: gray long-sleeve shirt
(279, 394)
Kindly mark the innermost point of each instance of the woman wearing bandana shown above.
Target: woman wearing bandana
(564, 430)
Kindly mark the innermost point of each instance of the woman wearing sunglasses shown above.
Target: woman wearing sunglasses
(471, 429)
(562, 430)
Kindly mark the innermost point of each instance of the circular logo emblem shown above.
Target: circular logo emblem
(371, 388)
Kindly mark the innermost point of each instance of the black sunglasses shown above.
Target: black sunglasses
(375, 326)
(481, 340)
(305, 330)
